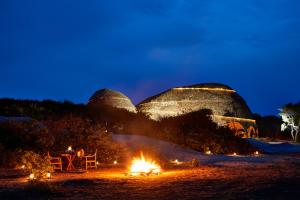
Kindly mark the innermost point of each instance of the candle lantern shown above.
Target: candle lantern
(31, 176)
(80, 153)
(208, 152)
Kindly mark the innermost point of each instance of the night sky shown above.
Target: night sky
(69, 49)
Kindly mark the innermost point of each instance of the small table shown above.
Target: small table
(70, 159)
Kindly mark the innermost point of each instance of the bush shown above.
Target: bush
(38, 109)
(27, 135)
(83, 133)
(194, 130)
(108, 153)
(36, 164)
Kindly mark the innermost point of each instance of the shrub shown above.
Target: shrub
(38, 109)
(83, 133)
(108, 153)
(35, 163)
(194, 130)
(27, 135)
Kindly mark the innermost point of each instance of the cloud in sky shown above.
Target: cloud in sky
(67, 49)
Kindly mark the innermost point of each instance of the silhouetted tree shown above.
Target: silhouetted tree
(290, 115)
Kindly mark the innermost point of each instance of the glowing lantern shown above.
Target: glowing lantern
(80, 153)
(115, 162)
(97, 163)
(234, 154)
(176, 161)
(256, 153)
(48, 175)
(208, 152)
(141, 166)
(31, 176)
(69, 148)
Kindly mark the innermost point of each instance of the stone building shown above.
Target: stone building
(107, 97)
(228, 107)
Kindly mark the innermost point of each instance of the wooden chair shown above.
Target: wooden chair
(55, 162)
(91, 161)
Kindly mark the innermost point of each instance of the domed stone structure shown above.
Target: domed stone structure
(107, 97)
(221, 99)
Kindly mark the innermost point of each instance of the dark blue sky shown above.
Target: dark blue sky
(68, 49)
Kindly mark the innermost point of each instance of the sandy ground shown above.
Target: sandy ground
(232, 181)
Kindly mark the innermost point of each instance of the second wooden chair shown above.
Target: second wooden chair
(55, 162)
(91, 161)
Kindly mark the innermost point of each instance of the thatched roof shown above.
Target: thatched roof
(221, 99)
(107, 97)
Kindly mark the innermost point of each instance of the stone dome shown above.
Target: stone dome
(220, 98)
(107, 97)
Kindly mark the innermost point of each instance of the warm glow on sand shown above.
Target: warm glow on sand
(142, 166)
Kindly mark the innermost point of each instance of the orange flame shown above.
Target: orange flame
(141, 166)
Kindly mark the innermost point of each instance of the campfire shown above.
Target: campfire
(144, 167)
